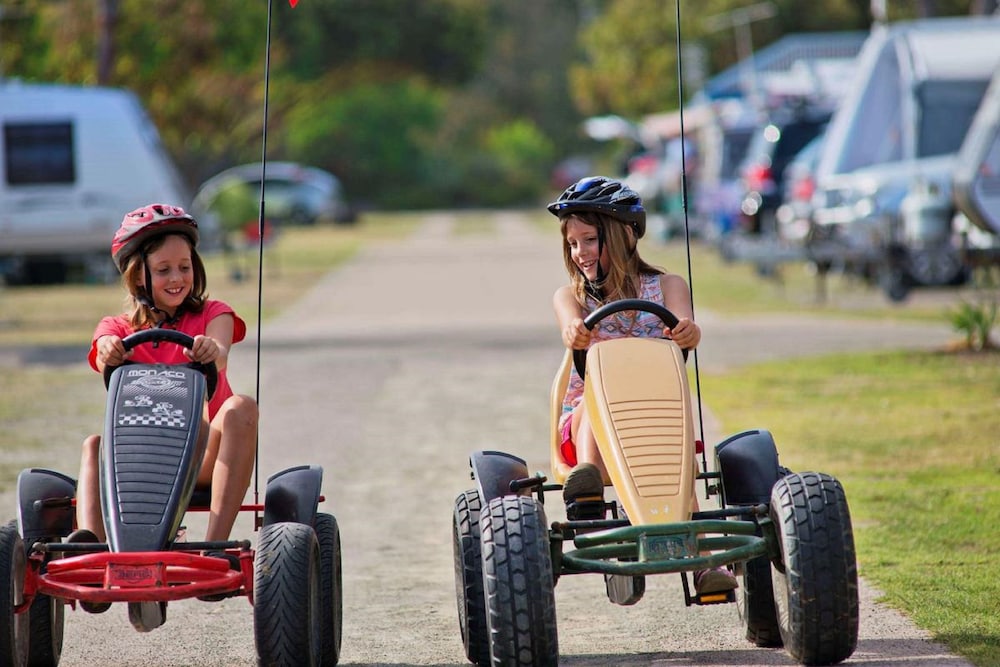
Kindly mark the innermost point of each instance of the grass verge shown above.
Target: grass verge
(915, 440)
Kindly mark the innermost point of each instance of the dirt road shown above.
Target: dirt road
(388, 375)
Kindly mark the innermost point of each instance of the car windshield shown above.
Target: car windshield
(946, 111)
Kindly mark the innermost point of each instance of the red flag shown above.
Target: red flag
(293, 3)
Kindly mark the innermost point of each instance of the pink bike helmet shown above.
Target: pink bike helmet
(147, 222)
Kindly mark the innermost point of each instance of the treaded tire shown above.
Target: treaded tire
(45, 639)
(517, 575)
(13, 627)
(817, 595)
(287, 601)
(469, 578)
(756, 605)
(46, 621)
(331, 580)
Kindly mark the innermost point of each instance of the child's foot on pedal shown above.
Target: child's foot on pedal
(583, 492)
(82, 535)
(714, 580)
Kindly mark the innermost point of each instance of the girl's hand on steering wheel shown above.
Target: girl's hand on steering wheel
(686, 334)
(204, 350)
(111, 351)
(576, 336)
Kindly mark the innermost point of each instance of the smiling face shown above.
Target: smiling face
(582, 241)
(172, 271)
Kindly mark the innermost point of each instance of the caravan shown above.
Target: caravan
(73, 160)
(884, 204)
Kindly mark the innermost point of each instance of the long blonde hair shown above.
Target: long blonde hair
(625, 266)
(141, 315)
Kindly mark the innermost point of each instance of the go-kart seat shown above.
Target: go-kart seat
(639, 405)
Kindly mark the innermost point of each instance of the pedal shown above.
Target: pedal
(586, 508)
(624, 589)
(722, 597)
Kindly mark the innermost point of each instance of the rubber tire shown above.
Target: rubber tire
(331, 578)
(817, 594)
(47, 618)
(518, 581)
(13, 627)
(469, 578)
(287, 617)
(755, 603)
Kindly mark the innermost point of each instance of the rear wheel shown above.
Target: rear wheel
(287, 616)
(817, 594)
(756, 603)
(328, 535)
(46, 621)
(517, 573)
(469, 577)
(13, 627)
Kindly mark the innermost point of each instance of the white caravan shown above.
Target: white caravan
(73, 161)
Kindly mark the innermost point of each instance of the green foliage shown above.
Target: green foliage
(913, 438)
(975, 322)
(461, 71)
(235, 205)
(372, 135)
(520, 152)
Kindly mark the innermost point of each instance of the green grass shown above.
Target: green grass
(915, 440)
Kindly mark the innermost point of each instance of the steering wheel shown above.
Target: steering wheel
(131, 341)
(668, 318)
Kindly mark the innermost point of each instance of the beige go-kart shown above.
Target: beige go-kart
(787, 536)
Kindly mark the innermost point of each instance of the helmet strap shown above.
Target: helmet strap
(145, 298)
(595, 288)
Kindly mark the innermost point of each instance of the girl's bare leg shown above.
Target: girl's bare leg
(88, 500)
(229, 462)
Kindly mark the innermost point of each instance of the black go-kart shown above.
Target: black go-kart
(149, 460)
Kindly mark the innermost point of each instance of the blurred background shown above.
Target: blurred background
(443, 104)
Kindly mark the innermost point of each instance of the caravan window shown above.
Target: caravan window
(946, 111)
(39, 153)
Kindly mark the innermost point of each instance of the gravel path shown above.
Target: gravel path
(388, 375)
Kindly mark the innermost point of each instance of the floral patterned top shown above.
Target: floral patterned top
(619, 325)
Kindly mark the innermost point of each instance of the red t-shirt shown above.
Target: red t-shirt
(193, 324)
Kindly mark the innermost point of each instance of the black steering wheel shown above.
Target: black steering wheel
(131, 341)
(669, 319)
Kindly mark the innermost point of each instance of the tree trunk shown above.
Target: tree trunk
(106, 42)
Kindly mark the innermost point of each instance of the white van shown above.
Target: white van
(73, 161)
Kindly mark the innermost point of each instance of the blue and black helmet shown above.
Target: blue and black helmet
(603, 195)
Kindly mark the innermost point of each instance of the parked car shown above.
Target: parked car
(884, 202)
(772, 148)
(723, 145)
(294, 194)
(794, 215)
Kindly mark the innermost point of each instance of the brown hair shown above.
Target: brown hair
(624, 263)
(141, 316)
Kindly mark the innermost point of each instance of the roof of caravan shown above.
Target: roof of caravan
(950, 48)
(784, 55)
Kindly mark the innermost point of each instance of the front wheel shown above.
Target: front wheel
(287, 617)
(13, 627)
(517, 573)
(817, 594)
